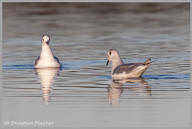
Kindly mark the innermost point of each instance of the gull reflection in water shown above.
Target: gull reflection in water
(47, 76)
(137, 85)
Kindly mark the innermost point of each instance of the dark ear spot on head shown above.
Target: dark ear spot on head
(109, 52)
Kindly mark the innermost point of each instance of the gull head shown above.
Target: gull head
(45, 39)
(112, 54)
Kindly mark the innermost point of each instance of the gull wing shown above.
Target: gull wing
(127, 68)
(36, 61)
(56, 59)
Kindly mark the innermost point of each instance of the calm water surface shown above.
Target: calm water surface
(82, 93)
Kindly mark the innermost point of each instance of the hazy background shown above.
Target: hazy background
(82, 94)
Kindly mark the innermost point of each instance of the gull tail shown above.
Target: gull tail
(148, 61)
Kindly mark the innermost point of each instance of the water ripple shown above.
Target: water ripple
(168, 76)
(66, 65)
(79, 64)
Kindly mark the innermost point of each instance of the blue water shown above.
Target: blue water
(67, 65)
(74, 65)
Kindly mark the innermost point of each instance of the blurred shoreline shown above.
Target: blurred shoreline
(102, 7)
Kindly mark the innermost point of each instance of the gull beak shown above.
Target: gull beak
(107, 62)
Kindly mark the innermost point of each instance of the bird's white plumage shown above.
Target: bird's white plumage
(46, 58)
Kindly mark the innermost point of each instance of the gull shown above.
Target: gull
(124, 71)
(46, 58)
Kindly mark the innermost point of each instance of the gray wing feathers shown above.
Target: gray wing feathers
(57, 59)
(36, 61)
(127, 67)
